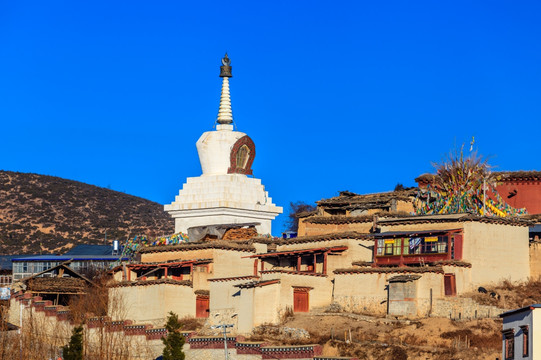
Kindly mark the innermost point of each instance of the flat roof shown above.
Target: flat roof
(68, 257)
(90, 249)
(516, 311)
(413, 233)
(5, 260)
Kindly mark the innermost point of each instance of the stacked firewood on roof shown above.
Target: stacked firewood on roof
(240, 234)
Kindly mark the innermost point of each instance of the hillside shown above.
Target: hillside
(51, 214)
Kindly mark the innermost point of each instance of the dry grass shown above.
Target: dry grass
(191, 323)
(432, 338)
(510, 295)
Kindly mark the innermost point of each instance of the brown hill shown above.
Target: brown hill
(40, 213)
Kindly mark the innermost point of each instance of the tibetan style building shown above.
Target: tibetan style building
(361, 253)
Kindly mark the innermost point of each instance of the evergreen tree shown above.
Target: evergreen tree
(174, 340)
(74, 350)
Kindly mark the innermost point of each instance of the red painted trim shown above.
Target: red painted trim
(233, 169)
(295, 252)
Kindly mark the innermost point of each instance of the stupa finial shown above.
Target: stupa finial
(225, 69)
(225, 114)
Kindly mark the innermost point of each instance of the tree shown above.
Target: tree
(295, 209)
(74, 350)
(174, 340)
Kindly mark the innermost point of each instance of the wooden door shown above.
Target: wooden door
(449, 283)
(202, 306)
(300, 301)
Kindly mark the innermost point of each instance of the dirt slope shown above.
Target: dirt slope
(51, 214)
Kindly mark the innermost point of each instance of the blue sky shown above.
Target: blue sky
(337, 96)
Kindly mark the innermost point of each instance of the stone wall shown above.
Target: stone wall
(463, 308)
(142, 340)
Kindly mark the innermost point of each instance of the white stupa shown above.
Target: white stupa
(224, 194)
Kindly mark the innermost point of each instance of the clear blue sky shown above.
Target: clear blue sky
(357, 95)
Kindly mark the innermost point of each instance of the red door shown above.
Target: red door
(202, 306)
(300, 301)
(449, 283)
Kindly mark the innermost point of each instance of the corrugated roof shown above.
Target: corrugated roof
(5, 260)
(87, 249)
(68, 257)
(515, 311)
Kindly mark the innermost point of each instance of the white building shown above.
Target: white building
(224, 193)
(519, 328)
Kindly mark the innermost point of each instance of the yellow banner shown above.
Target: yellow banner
(431, 239)
(389, 241)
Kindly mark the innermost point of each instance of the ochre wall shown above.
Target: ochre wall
(462, 277)
(246, 311)
(306, 228)
(266, 302)
(151, 303)
(535, 260)
(222, 294)
(496, 252)
(363, 293)
(366, 292)
(419, 227)
(404, 206)
(528, 195)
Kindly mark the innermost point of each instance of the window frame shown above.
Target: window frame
(509, 344)
(525, 340)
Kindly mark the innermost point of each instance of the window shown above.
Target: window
(389, 246)
(525, 342)
(509, 339)
(416, 245)
(379, 250)
(406, 246)
(242, 156)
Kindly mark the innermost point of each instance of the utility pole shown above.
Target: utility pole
(224, 328)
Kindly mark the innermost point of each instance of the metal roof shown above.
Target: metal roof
(5, 260)
(529, 307)
(86, 249)
(68, 257)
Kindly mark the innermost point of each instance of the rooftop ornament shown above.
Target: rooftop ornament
(225, 114)
(463, 184)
